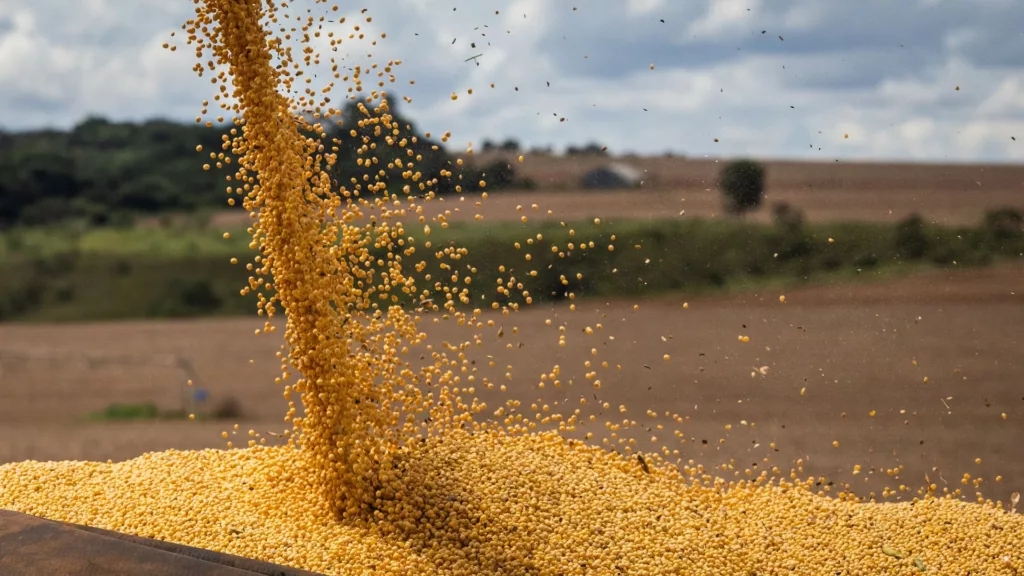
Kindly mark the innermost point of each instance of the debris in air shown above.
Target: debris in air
(643, 463)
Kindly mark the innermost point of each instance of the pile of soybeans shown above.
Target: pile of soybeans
(391, 466)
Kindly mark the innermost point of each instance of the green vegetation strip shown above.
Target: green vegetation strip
(106, 172)
(160, 242)
(111, 273)
(150, 411)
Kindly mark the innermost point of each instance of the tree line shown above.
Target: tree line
(106, 172)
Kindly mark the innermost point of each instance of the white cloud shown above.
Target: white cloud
(804, 16)
(723, 16)
(960, 38)
(884, 73)
(641, 7)
(1006, 99)
(31, 67)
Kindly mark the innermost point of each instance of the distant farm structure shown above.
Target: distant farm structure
(612, 176)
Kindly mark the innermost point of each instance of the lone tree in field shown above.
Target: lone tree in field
(742, 184)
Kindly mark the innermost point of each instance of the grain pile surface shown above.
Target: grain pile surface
(489, 503)
(393, 466)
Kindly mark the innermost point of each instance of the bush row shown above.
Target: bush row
(692, 256)
(107, 173)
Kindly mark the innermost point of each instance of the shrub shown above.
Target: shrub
(227, 409)
(742, 184)
(15, 240)
(831, 262)
(945, 254)
(792, 241)
(199, 297)
(715, 275)
(499, 175)
(187, 298)
(56, 265)
(122, 412)
(64, 292)
(1004, 223)
(21, 299)
(121, 267)
(911, 240)
(46, 211)
(510, 145)
(869, 260)
(786, 216)
(120, 219)
(550, 284)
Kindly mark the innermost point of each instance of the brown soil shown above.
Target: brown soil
(851, 347)
(944, 194)
(944, 207)
(564, 172)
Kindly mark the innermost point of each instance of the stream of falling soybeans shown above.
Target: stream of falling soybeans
(396, 467)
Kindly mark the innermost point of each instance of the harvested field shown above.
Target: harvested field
(852, 348)
(564, 172)
(943, 194)
(942, 207)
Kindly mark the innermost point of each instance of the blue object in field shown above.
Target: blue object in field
(199, 395)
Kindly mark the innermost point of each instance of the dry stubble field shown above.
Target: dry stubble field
(948, 195)
(852, 348)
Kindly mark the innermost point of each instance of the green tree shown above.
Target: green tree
(101, 168)
(152, 193)
(742, 184)
(30, 176)
(353, 170)
(104, 172)
(1004, 223)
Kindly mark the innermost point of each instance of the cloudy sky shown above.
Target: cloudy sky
(773, 78)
